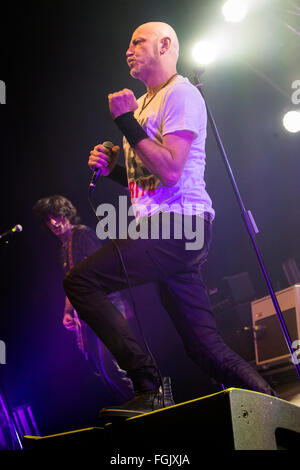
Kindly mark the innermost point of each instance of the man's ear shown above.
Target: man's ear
(165, 44)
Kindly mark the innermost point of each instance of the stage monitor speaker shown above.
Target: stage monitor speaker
(233, 419)
(79, 439)
(269, 341)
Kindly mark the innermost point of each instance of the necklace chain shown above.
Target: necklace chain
(144, 105)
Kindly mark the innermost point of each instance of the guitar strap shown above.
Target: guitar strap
(70, 245)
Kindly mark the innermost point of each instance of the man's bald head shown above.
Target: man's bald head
(165, 34)
(153, 52)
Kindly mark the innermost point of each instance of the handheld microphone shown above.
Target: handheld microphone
(16, 228)
(97, 172)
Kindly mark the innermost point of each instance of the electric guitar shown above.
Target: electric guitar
(79, 335)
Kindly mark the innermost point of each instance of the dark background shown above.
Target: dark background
(59, 60)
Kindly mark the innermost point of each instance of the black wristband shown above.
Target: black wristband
(119, 175)
(131, 129)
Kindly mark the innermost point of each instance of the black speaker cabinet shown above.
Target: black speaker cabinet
(233, 419)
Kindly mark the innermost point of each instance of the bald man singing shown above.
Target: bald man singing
(164, 134)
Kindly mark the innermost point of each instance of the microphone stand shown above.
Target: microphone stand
(248, 220)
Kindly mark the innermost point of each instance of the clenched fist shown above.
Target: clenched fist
(69, 322)
(103, 158)
(122, 102)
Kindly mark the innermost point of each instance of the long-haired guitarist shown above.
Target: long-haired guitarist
(60, 216)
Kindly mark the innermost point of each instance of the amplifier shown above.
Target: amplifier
(269, 341)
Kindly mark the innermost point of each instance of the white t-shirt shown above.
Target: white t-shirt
(178, 106)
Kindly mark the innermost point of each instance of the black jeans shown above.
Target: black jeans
(183, 294)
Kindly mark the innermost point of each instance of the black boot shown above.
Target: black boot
(149, 396)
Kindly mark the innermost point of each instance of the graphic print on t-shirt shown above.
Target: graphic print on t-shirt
(140, 179)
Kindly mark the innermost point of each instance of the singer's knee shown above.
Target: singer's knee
(80, 282)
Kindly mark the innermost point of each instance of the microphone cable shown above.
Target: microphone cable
(91, 187)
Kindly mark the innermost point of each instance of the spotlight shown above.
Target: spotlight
(204, 52)
(234, 10)
(291, 121)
